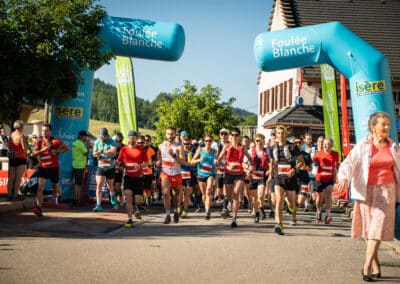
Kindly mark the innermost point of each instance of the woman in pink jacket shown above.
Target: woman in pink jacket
(374, 172)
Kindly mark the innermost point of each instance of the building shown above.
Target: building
(293, 97)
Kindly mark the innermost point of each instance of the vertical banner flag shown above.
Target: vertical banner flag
(331, 115)
(345, 120)
(126, 95)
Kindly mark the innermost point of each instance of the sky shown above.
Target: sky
(218, 50)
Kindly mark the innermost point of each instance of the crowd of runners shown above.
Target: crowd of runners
(233, 172)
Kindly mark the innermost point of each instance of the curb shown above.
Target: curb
(15, 206)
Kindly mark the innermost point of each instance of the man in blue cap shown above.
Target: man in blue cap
(104, 150)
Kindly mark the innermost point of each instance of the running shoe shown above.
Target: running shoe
(176, 217)
(113, 200)
(293, 223)
(208, 216)
(179, 210)
(184, 214)
(138, 215)
(328, 219)
(271, 214)
(319, 215)
(116, 206)
(167, 219)
(58, 200)
(224, 214)
(234, 224)
(262, 213)
(38, 211)
(98, 208)
(279, 229)
(129, 224)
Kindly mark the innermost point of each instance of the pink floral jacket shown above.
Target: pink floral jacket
(356, 167)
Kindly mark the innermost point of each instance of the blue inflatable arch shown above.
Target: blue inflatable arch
(332, 43)
(137, 38)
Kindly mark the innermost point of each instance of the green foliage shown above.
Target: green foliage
(105, 107)
(45, 44)
(244, 118)
(104, 102)
(198, 112)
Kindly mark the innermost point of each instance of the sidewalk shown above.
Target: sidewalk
(15, 206)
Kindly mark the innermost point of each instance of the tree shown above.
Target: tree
(197, 112)
(44, 46)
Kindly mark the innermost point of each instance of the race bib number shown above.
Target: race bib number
(258, 174)
(105, 162)
(283, 170)
(186, 175)
(207, 169)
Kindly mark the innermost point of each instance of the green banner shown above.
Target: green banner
(330, 106)
(126, 95)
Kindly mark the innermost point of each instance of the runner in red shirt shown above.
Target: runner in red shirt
(133, 157)
(234, 172)
(47, 148)
(327, 161)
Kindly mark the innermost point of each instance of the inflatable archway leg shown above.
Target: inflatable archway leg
(68, 118)
(126, 37)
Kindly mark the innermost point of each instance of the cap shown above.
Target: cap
(132, 133)
(82, 133)
(103, 132)
(184, 133)
(118, 137)
(224, 130)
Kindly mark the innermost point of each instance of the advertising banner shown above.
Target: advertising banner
(345, 120)
(126, 95)
(3, 182)
(329, 98)
(69, 117)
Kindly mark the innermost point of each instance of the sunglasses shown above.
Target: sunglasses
(208, 141)
(147, 140)
(259, 140)
(297, 142)
(186, 144)
(223, 133)
(140, 143)
(235, 134)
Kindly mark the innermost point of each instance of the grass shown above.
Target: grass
(95, 125)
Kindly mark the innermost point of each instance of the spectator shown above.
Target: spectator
(17, 159)
(79, 162)
(3, 142)
(373, 169)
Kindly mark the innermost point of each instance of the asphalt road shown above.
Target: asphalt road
(79, 246)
